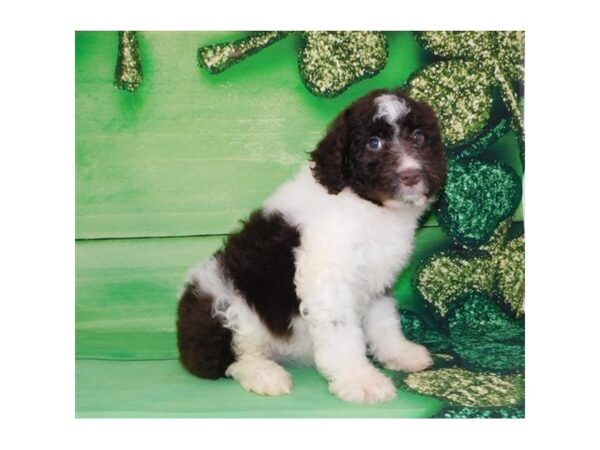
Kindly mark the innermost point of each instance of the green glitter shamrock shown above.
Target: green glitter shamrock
(128, 70)
(476, 198)
(475, 333)
(459, 87)
(329, 62)
(497, 267)
(478, 316)
(416, 329)
(450, 274)
(483, 337)
(332, 61)
(466, 388)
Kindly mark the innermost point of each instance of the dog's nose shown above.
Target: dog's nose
(410, 177)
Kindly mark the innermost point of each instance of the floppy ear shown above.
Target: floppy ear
(329, 158)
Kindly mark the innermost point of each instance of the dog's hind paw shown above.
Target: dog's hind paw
(261, 376)
(367, 386)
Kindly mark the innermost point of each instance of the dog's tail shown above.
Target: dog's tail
(204, 344)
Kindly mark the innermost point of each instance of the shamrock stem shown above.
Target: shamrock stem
(128, 71)
(485, 140)
(217, 58)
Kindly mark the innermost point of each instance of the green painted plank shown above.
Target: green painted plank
(126, 291)
(189, 152)
(164, 389)
(126, 294)
(127, 346)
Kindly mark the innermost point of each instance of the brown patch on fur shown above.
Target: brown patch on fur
(259, 259)
(204, 344)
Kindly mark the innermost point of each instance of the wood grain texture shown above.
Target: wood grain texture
(127, 292)
(164, 389)
(189, 152)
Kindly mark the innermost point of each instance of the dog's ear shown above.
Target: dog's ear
(329, 158)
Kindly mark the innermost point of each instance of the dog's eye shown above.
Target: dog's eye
(374, 143)
(417, 137)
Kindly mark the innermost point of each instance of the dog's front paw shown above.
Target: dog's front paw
(367, 386)
(411, 357)
(261, 376)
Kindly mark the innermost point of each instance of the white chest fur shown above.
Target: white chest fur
(345, 237)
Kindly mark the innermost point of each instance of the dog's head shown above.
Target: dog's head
(386, 147)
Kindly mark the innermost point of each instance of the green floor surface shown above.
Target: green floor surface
(164, 389)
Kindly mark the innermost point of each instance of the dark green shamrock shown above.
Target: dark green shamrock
(476, 198)
(476, 333)
(484, 337)
(479, 343)
(416, 329)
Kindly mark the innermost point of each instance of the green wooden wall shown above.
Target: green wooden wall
(162, 175)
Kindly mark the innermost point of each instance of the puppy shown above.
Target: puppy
(308, 277)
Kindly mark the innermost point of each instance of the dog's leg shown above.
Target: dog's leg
(253, 368)
(386, 341)
(340, 354)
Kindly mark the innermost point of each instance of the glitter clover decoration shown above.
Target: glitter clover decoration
(329, 61)
(459, 87)
(484, 337)
(128, 70)
(482, 363)
(218, 57)
(465, 412)
(476, 333)
(467, 388)
(496, 269)
(493, 132)
(477, 196)
(417, 330)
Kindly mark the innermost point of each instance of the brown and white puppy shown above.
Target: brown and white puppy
(307, 278)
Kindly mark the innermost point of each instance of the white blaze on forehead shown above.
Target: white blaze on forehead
(391, 109)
